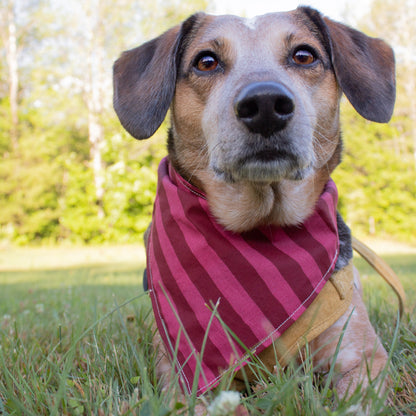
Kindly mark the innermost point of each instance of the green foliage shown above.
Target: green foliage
(47, 184)
(5, 145)
(376, 179)
(30, 185)
(47, 189)
(130, 188)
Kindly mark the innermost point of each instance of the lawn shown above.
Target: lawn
(75, 340)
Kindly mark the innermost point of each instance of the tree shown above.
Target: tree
(76, 174)
(18, 19)
(377, 176)
(394, 20)
(9, 36)
(376, 184)
(102, 33)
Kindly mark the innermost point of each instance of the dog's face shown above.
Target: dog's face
(263, 102)
(255, 106)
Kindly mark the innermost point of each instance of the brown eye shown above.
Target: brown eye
(303, 57)
(207, 63)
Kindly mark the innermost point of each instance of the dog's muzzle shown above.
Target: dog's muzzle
(264, 107)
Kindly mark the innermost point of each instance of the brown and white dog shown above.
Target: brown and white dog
(255, 127)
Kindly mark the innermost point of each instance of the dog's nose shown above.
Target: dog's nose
(264, 107)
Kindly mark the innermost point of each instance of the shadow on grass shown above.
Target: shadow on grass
(78, 288)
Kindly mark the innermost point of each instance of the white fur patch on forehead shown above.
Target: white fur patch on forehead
(256, 22)
(251, 22)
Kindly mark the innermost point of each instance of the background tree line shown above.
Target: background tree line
(68, 171)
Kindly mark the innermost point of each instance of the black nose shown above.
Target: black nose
(264, 107)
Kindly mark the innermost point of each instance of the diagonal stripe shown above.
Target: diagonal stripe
(185, 311)
(169, 328)
(202, 281)
(241, 269)
(289, 268)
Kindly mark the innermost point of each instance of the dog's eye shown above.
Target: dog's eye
(303, 57)
(206, 62)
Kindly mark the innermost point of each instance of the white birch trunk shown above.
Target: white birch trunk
(13, 69)
(94, 99)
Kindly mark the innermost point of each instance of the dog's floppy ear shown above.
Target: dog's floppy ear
(365, 70)
(144, 81)
(364, 67)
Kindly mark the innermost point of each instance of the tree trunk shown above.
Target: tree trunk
(13, 68)
(411, 88)
(95, 135)
(94, 98)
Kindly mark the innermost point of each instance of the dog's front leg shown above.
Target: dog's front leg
(165, 375)
(361, 356)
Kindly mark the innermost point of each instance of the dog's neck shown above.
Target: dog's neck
(243, 206)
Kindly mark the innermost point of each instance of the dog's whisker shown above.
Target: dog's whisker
(200, 158)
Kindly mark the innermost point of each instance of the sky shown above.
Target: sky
(331, 8)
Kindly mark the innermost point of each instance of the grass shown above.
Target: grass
(77, 341)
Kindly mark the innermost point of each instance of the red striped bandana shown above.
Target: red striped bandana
(260, 281)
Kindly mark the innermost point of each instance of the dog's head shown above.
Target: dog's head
(255, 105)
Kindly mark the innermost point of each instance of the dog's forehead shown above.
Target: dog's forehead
(253, 29)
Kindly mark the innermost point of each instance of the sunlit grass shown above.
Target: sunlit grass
(77, 341)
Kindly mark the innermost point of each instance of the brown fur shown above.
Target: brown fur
(259, 203)
(213, 149)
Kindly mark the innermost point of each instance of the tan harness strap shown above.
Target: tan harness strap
(382, 268)
(325, 310)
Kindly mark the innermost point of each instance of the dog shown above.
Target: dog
(254, 137)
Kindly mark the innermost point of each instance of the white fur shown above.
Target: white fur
(251, 22)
